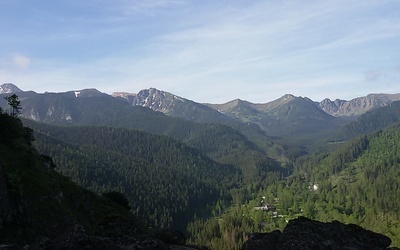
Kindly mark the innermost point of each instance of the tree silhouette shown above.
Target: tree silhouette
(15, 104)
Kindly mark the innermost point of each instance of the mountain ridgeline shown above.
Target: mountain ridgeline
(176, 106)
(297, 121)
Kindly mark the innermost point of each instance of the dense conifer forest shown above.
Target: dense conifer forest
(39, 205)
(162, 178)
(357, 183)
(167, 183)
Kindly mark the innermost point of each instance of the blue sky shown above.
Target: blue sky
(206, 51)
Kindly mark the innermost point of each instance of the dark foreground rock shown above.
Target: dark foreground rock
(78, 238)
(303, 233)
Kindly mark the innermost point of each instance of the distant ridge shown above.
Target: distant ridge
(165, 102)
(337, 108)
(293, 118)
(357, 106)
(288, 119)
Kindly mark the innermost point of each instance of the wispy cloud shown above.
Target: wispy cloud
(21, 61)
(372, 75)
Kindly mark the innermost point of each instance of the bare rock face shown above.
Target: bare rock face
(303, 233)
(77, 238)
(157, 100)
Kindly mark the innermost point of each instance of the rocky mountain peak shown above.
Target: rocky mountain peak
(328, 106)
(266, 107)
(156, 100)
(8, 88)
(150, 98)
(358, 105)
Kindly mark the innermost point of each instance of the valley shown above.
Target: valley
(206, 168)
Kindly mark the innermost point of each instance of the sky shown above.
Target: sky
(206, 51)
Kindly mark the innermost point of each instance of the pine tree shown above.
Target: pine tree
(14, 103)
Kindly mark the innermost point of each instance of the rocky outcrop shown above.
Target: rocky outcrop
(78, 238)
(129, 97)
(303, 233)
(331, 107)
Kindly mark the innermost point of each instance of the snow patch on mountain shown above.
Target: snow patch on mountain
(8, 88)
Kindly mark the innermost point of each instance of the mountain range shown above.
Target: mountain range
(90, 107)
(168, 103)
(171, 104)
(289, 119)
(298, 121)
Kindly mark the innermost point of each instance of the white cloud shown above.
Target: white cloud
(20, 61)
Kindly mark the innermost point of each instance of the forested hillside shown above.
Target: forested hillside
(357, 183)
(176, 106)
(39, 205)
(165, 181)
